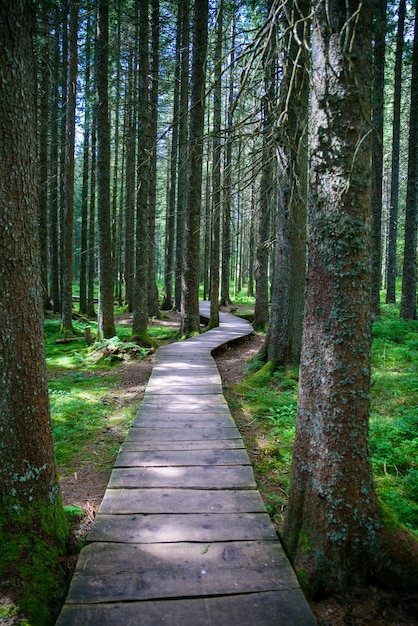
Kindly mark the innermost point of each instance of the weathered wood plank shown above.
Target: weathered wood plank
(204, 444)
(286, 607)
(191, 404)
(129, 501)
(109, 572)
(186, 434)
(182, 477)
(203, 527)
(179, 458)
(173, 420)
(186, 389)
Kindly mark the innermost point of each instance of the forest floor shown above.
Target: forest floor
(369, 605)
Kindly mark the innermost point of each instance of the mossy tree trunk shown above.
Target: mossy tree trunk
(331, 529)
(33, 529)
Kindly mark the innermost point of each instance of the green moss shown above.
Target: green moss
(33, 541)
(259, 378)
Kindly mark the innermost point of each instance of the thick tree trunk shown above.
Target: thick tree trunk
(32, 522)
(190, 318)
(409, 274)
(396, 136)
(331, 529)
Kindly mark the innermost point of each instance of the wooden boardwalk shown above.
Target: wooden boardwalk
(182, 535)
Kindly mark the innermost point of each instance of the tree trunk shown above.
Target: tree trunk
(170, 230)
(396, 136)
(331, 529)
(153, 303)
(377, 149)
(284, 337)
(106, 315)
(85, 186)
(32, 526)
(409, 275)
(227, 186)
(91, 257)
(183, 147)
(130, 122)
(216, 172)
(140, 308)
(54, 234)
(261, 310)
(67, 270)
(190, 318)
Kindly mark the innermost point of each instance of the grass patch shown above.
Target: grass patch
(88, 419)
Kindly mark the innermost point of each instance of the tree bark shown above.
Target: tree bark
(284, 336)
(140, 308)
(377, 149)
(409, 274)
(216, 172)
(396, 136)
(190, 318)
(67, 270)
(32, 521)
(332, 522)
(106, 315)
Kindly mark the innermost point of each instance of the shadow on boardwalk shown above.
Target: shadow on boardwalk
(182, 535)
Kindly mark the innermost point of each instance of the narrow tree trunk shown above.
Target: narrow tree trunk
(140, 308)
(170, 230)
(396, 136)
(377, 149)
(91, 257)
(183, 149)
(85, 186)
(190, 318)
(409, 275)
(153, 303)
(54, 231)
(130, 122)
(67, 291)
(106, 315)
(216, 172)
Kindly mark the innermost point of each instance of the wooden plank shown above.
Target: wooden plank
(181, 477)
(204, 444)
(173, 420)
(186, 389)
(109, 572)
(205, 527)
(190, 404)
(287, 607)
(179, 458)
(120, 501)
(186, 434)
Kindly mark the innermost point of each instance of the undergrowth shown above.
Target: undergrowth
(270, 399)
(88, 421)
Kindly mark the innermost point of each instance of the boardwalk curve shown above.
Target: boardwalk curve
(182, 535)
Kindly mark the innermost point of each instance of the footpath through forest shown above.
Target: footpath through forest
(182, 535)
